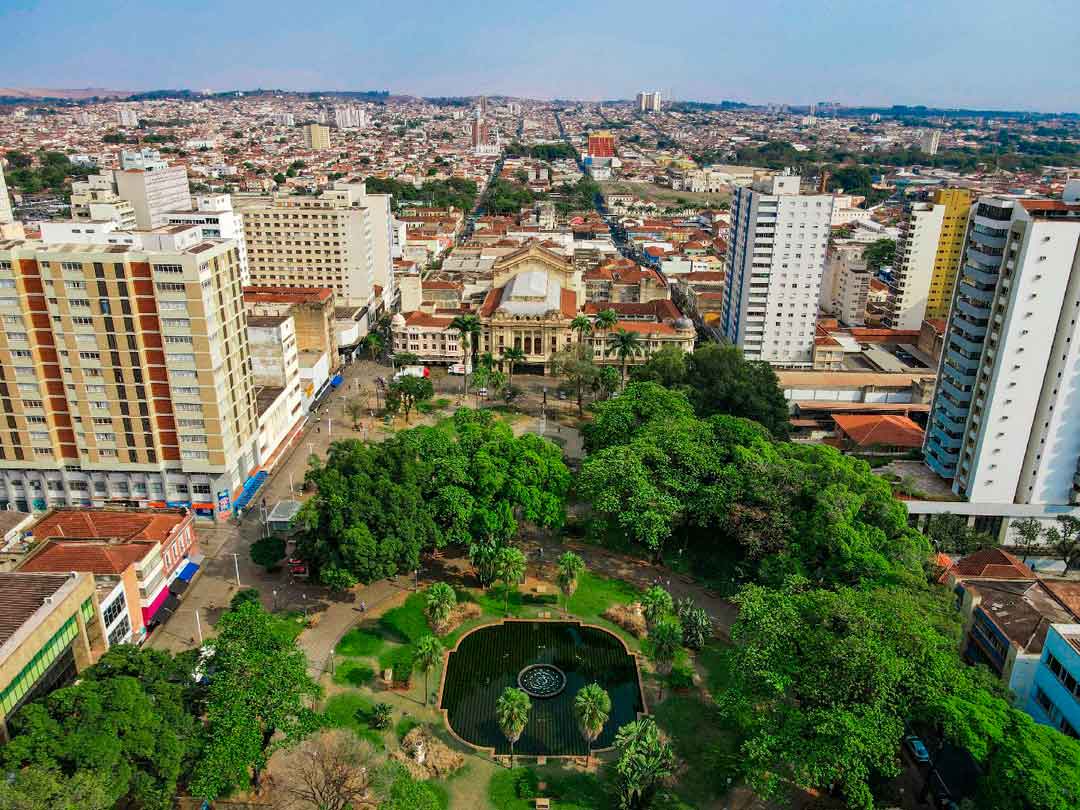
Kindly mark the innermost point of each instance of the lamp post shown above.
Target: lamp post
(236, 566)
(274, 592)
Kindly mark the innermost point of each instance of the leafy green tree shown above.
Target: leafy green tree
(666, 640)
(625, 345)
(374, 343)
(880, 253)
(256, 701)
(268, 551)
(468, 327)
(619, 419)
(576, 366)
(607, 382)
(1027, 536)
(657, 603)
(512, 356)
(406, 793)
(439, 607)
(583, 326)
(429, 652)
(123, 734)
(722, 381)
(408, 392)
(406, 359)
(510, 565)
(666, 367)
(1064, 541)
(354, 409)
(570, 568)
(512, 711)
(644, 762)
(951, 534)
(592, 708)
(43, 788)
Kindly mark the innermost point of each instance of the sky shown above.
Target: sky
(1000, 54)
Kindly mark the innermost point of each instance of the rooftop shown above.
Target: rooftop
(867, 430)
(992, 563)
(23, 595)
(287, 295)
(90, 556)
(1023, 611)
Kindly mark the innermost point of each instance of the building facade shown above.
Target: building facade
(317, 137)
(152, 186)
(1055, 696)
(776, 257)
(1004, 425)
(950, 250)
(125, 374)
(916, 250)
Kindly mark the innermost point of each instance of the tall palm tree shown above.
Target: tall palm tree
(510, 567)
(487, 360)
(666, 636)
(512, 710)
(468, 328)
(605, 319)
(429, 652)
(625, 345)
(439, 607)
(582, 325)
(592, 708)
(374, 344)
(570, 566)
(513, 356)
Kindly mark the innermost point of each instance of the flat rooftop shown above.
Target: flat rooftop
(266, 321)
(23, 595)
(266, 396)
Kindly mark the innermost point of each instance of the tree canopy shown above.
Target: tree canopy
(377, 506)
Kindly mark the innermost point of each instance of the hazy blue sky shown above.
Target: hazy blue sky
(1018, 54)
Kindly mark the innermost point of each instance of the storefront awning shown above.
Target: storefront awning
(188, 571)
(178, 586)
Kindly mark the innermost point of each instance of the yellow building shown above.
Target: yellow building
(317, 137)
(50, 630)
(950, 250)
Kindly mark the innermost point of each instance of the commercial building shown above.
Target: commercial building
(312, 310)
(776, 256)
(1055, 695)
(214, 215)
(1005, 424)
(50, 630)
(485, 138)
(648, 101)
(317, 137)
(140, 194)
(916, 250)
(124, 374)
(134, 555)
(342, 239)
(275, 369)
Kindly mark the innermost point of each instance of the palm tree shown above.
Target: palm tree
(570, 565)
(582, 325)
(625, 345)
(374, 344)
(512, 357)
(510, 566)
(512, 710)
(468, 327)
(487, 360)
(429, 652)
(666, 637)
(592, 707)
(605, 319)
(441, 601)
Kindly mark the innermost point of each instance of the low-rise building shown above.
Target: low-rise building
(1055, 694)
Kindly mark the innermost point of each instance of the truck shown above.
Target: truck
(412, 371)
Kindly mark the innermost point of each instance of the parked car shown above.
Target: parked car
(458, 369)
(917, 749)
(412, 371)
(480, 392)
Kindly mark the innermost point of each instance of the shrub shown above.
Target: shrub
(526, 783)
(540, 598)
(629, 618)
(681, 677)
(379, 717)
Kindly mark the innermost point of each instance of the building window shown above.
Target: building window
(114, 609)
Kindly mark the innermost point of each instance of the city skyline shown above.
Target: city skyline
(853, 53)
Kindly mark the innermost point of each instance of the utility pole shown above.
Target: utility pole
(198, 627)
(236, 565)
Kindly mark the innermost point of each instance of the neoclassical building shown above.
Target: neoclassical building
(535, 295)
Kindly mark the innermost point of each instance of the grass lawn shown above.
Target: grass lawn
(406, 624)
(290, 623)
(571, 790)
(353, 673)
(359, 643)
(702, 738)
(350, 710)
(713, 660)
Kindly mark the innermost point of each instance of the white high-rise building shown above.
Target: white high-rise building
(83, 119)
(214, 214)
(916, 252)
(776, 256)
(127, 117)
(845, 284)
(6, 216)
(285, 119)
(152, 186)
(1005, 421)
(649, 101)
(930, 141)
(350, 116)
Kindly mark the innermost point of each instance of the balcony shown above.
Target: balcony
(955, 411)
(993, 242)
(971, 345)
(954, 391)
(980, 275)
(973, 312)
(944, 440)
(942, 468)
(983, 257)
(969, 290)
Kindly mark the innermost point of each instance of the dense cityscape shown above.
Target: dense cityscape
(372, 451)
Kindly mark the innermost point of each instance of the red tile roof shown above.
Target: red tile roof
(286, 295)
(108, 524)
(88, 556)
(992, 563)
(890, 430)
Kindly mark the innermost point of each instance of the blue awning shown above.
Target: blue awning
(187, 572)
(338, 380)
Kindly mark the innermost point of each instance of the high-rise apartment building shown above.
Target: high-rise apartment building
(928, 254)
(930, 141)
(341, 240)
(913, 268)
(6, 215)
(140, 194)
(125, 375)
(601, 144)
(350, 116)
(776, 255)
(127, 117)
(485, 138)
(317, 137)
(214, 215)
(649, 101)
(1005, 423)
(845, 283)
(957, 204)
(285, 119)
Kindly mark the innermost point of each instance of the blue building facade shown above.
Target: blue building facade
(1055, 694)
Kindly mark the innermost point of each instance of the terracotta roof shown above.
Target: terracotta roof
(890, 430)
(661, 309)
(108, 524)
(1066, 591)
(420, 318)
(491, 301)
(992, 563)
(89, 556)
(568, 303)
(23, 595)
(644, 327)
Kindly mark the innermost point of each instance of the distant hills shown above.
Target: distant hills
(34, 93)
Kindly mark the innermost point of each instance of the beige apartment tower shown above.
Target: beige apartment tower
(125, 374)
(317, 137)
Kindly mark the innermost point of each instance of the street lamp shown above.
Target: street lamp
(303, 596)
(274, 592)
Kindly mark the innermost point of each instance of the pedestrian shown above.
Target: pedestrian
(363, 606)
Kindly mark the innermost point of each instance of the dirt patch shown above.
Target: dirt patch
(630, 618)
(427, 757)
